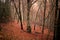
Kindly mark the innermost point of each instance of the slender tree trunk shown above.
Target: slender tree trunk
(18, 13)
(44, 19)
(51, 17)
(29, 5)
(28, 24)
(20, 17)
(56, 21)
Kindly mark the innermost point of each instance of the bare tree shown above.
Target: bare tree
(29, 4)
(20, 17)
(44, 18)
(51, 17)
(18, 13)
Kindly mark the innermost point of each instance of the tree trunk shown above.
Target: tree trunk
(28, 24)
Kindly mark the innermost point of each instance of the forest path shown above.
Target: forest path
(12, 31)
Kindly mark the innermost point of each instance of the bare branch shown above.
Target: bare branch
(33, 2)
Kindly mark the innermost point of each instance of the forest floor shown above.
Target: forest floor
(12, 31)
